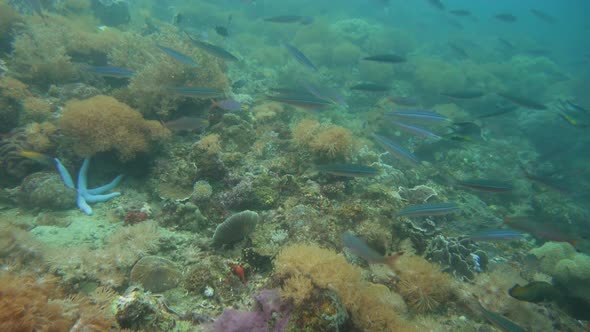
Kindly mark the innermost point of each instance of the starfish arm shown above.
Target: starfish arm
(83, 205)
(65, 175)
(83, 175)
(106, 187)
(100, 198)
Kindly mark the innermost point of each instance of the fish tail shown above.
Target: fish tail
(392, 259)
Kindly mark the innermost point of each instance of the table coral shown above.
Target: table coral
(102, 123)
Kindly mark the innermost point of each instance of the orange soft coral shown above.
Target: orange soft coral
(102, 123)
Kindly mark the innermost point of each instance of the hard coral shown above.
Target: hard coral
(102, 123)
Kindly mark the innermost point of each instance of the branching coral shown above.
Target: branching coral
(102, 123)
(371, 310)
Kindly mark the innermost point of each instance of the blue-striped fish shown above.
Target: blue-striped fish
(416, 130)
(428, 209)
(349, 170)
(214, 50)
(195, 92)
(418, 115)
(497, 235)
(324, 93)
(304, 100)
(110, 71)
(502, 323)
(488, 185)
(396, 150)
(300, 57)
(174, 54)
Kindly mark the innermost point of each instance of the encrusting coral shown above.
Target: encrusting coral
(102, 123)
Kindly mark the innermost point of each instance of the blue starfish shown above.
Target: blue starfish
(86, 195)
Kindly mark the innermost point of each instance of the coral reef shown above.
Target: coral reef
(102, 123)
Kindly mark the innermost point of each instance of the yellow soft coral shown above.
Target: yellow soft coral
(102, 123)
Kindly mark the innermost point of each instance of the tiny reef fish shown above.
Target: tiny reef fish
(463, 94)
(325, 93)
(396, 150)
(186, 123)
(174, 54)
(41, 158)
(428, 209)
(307, 101)
(437, 4)
(488, 185)
(361, 249)
(536, 291)
(305, 20)
(226, 105)
(213, 50)
(496, 235)
(195, 92)
(418, 115)
(416, 130)
(110, 71)
(370, 87)
(506, 17)
(460, 12)
(522, 101)
(541, 230)
(300, 57)
(348, 170)
(543, 16)
(502, 323)
(387, 58)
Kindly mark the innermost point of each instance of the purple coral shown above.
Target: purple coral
(268, 301)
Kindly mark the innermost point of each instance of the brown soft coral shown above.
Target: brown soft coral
(373, 307)
(329, 141)
(102, 123)
(26, 305)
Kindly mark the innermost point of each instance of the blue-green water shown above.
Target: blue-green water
(294, 165)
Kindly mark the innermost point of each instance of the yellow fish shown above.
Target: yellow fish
(36, 156)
